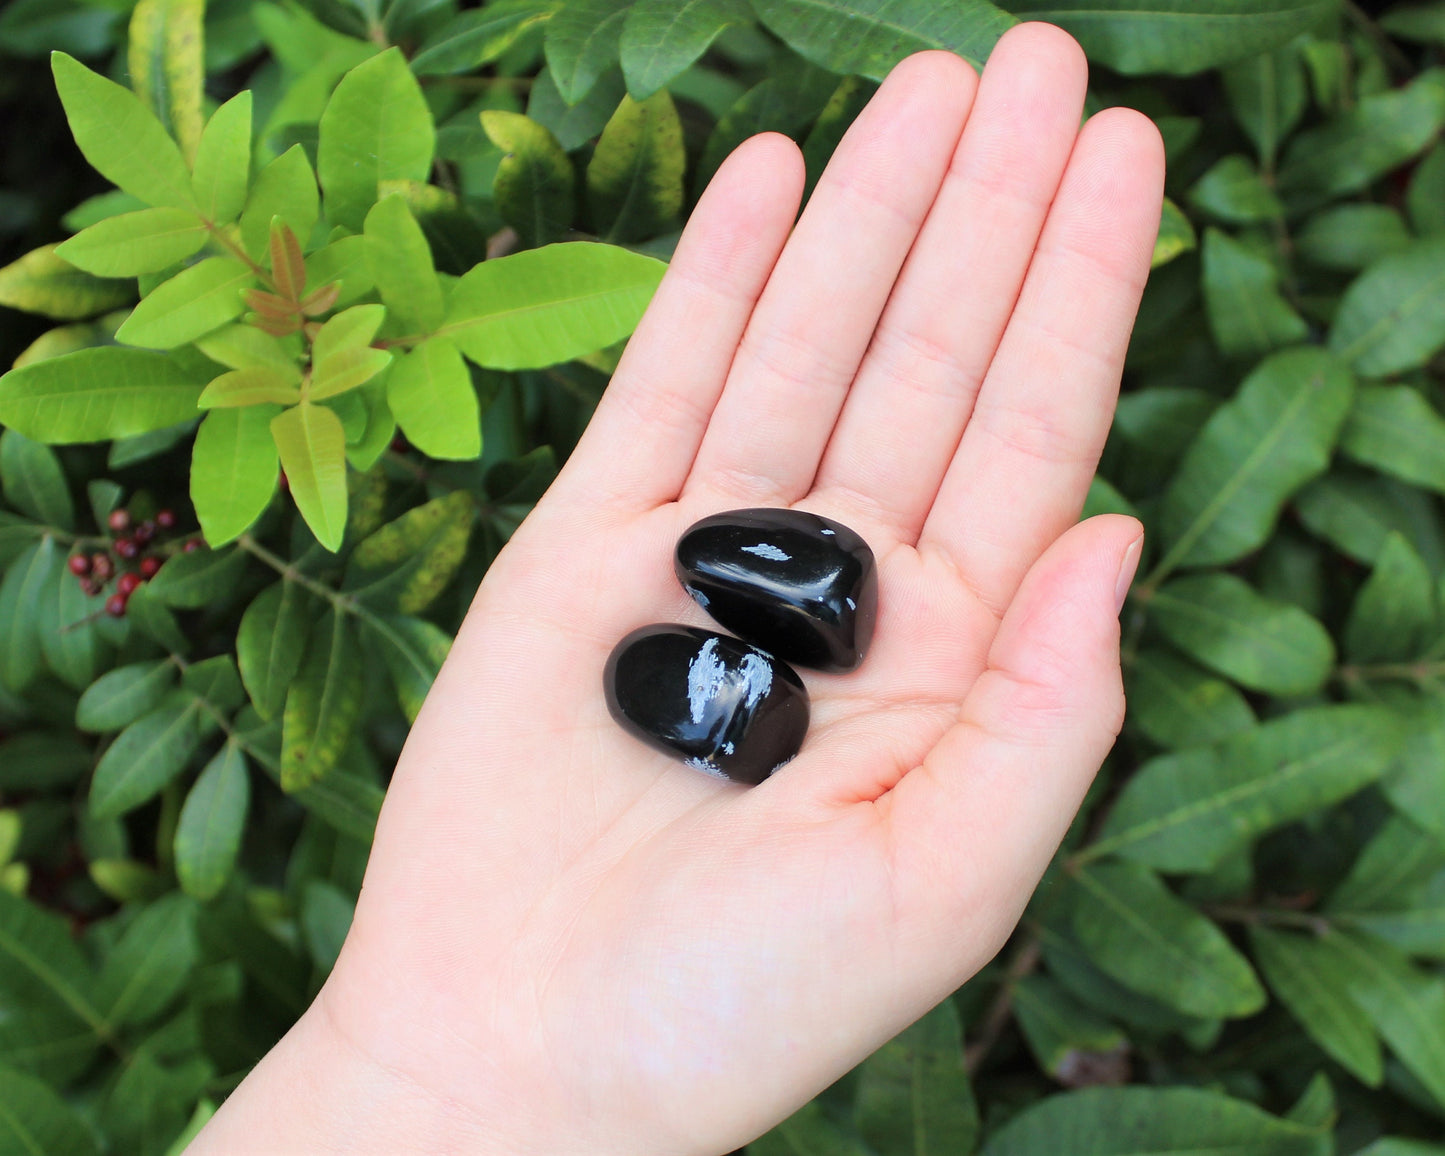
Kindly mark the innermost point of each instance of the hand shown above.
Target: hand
(570, 944)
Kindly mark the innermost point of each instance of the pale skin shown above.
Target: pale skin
(568, 943)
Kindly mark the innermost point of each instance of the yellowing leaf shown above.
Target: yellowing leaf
(43, 282)
(166, 64)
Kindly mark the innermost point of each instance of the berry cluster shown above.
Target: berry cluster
(135, 554)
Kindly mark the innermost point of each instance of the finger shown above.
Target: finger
(811, 326)
(916, 387)
(1022, 469)
(641, 442)
(973, 828)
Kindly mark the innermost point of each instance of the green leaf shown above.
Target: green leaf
(471, 39)
(49, 1043)
(234, 470)
(535, 309)
(1349, 237)
(312, 445)
(149, 616)
(212, 822)
(146, 756)
(1252, 455)
(400, 262)
(1400, 857)
(1394, 615)
(413, 650)
(69, 637)
(403, 566)
(285, 188)
(43, 282)
(786, 101)
(25, 582)
(1268, 95)
(34, 481)
(1134, 928)
(189, 305)
(323, 705)
(913, 1093)
(256, 386)
(1417, 785)
(1067, 1040)
(1350, 152)
(634, 180)
(868, 37)
(1393, 1147)
(40, 964)
(1232, 190)
(326, 916)
(1224, 624)
(662, 38)
(534, 187)
(121, 138)
(143, 242)
(42, 761)
(1144, 1121)
(35, 1121)
(1396, 430)
(430, 393)
(1247, 314)
(808, 1132)
(166, 66)
(1184, 812)
(121, 696)
(270, 644)
(1425, 198)
(352, 328)
(1175, 237)
(345, 370)
(149, 965)
(223, 161)
(582, 40)
(246, 347)
(1392, 318)
(1178, 705)
(376, 128)
(199, 578)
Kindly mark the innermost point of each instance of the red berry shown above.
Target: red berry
(192, 545)
(144, 532)
(399, 444)
(285, 482)
(166, 519)
(115, 605)
(125, 585)
(89, 587)
(119, 521)
(149, 566)
(127, 547)
(79, 565)
(101, 567)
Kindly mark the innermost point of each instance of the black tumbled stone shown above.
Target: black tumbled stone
(723, 706)
(801, 586)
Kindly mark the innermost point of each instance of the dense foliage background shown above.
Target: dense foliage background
(208, 665)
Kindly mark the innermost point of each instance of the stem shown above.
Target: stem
(1269, 916)
(1391, 51)
(1413, 671)
(1025, 961)
(291, 574)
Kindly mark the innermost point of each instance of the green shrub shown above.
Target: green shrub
(363, 273)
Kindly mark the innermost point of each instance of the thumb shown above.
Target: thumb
(975, 826)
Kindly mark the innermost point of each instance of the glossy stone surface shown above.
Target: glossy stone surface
(721, 705)
(800, 586)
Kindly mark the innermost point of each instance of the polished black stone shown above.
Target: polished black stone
(723, 706)
(802, 587)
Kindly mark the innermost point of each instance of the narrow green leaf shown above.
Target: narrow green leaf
(350, 329)
(120, 137)
(1143, 1121)
(70, 636)
(479, 36)
(582, 44)
(1178, 705)
(1068, 1040)
(1186, 811)
(1392, 318)
(1394, 615)
(1350, 237)
(143, 242)
(199, 578)
(1267, 94)
(1400, 858)
(413, 650)
(190, 304)
(376, 128)
(868, 37)
(400, 262)
(270, 644)
(285, 188)
(1139, 932)
(634, 180)
(662, 38)
(535, 309)
(223, 161)
(322, 706)
(534, 186)
(44, 282)
(786, 101)
(312, 446)
(809, 1131)
(146, 756)
(25, 582)
(430, 392)
(1247, 314)
(234, 470)
(250, 387)
(48, 1042)
(212, 822)
(121, 696)
(246, 347)
(34, 1121)
(1395, 429)
(345, 370)
(403, 566)
(40, 962)
(325, 919)
(1425, 199)
(1252, 455)
(1233, 191)
(216, 681)
(150, 963)
(166, 64)
(34, 481)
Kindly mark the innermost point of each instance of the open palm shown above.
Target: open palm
(568, 943)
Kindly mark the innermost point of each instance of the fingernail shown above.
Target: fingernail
(1126, 572)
